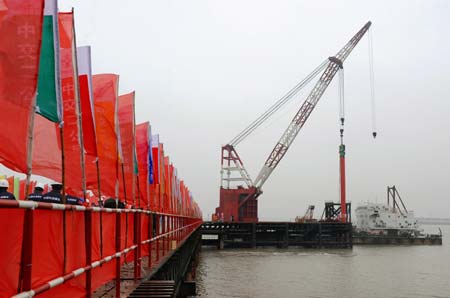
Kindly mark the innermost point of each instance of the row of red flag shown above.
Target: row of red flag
(61, 122)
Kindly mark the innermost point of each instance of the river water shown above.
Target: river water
(364, 271)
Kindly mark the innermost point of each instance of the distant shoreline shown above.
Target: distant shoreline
(433, 221)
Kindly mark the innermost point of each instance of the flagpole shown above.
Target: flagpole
(30, 146)
(118, 150)
(101, 201)
(63, 182)
(124, 185)
(139, 193)
(78, 108)
(133, 190)
(28, 218)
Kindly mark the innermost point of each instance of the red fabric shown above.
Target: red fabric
(22, 188)
(105, 103)
(46, 149)
(90, 145)
(48, 249)
(155, 155)
(126, 124)
(72, 152)
(167, 192)
(106, 272)
(126, 238)
(182, 191)
(144, 234)
(172, 194)
(129, 239)
(10, 249)
(75, 259)
(10, 180)
(162, 188)
(142, 148)
(152, 195)
(154, 188)
(20, 38)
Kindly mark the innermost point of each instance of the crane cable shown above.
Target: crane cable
(372, 85)
(277, 105)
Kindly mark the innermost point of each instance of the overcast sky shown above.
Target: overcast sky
(203, 70)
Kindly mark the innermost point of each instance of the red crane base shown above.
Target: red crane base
(239, 204)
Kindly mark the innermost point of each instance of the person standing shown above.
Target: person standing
(72, 200)
(4, 194)
(54, 196)
(38, 193)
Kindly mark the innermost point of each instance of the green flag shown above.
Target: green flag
(135, 164)
(48, 102)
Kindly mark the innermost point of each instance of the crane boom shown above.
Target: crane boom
(307, 107)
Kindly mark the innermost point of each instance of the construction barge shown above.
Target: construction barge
(277, 234)
(361, 239)
(391, 223)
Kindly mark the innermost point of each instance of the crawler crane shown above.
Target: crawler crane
(238, 192)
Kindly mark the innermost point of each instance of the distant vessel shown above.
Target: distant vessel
(381, 219)
(389, 223)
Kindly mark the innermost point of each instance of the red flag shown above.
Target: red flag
(72, 150)
(167, 191)
(162, 180)
(182, 191)
(46, 149)
(127, 138)
(142, 148)
(86, 99)
(172, 193)
(105, 88)
(156, 163)
(20, 38)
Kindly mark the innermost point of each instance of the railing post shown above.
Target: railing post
(135, 242)
(27, 251)
(172, 236)
(167, 231)
(179, 227)
(157, 240)
(88, 247)
(118, 226)
(139, 246)
(149, 236)
(163, 231)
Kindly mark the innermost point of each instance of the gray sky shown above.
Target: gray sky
(203, 70)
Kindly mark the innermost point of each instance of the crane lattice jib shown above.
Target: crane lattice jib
(307, 107)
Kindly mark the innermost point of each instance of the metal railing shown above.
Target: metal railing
(165, 231)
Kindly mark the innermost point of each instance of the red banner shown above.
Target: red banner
(72, 151)
(162, 175)
(142, 147)
(86, 99)
(172, 192)
(105, 104)
(46, 149)
(20, 40)
(10, 250)
(127, 139)
(167, 183)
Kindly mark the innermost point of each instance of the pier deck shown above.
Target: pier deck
(277, 234)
